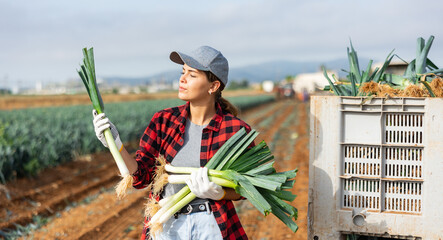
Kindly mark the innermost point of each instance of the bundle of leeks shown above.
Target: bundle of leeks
(249, 171)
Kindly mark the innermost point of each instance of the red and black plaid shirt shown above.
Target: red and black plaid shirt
(164, 136)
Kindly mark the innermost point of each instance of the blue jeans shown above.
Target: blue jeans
(198, 226)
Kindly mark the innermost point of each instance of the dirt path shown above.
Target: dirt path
(98, 215)
(54, 187)
(289, 138)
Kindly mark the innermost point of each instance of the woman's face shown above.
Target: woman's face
(194, 85)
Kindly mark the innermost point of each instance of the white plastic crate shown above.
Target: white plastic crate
(376, 167)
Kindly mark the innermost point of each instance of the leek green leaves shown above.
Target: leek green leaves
(87, 74)
(419, 70)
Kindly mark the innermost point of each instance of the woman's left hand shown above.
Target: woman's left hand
(203, 188)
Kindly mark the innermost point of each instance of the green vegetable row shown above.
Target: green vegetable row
(34, 139)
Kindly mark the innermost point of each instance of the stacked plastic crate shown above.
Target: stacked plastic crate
(376, 167)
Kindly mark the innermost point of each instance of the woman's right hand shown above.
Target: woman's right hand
(200, 185)
(101, 123)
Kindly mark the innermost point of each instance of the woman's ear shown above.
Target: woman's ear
(215, 85)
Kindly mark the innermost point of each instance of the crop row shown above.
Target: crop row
(34, 139)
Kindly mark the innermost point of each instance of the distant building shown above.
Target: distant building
(159, 86)
(396, 67)
(268, 86)
(311, 82)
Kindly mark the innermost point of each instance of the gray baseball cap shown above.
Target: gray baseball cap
(206, 59)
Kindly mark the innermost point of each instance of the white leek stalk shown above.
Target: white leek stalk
(181, 179)
(87, 74)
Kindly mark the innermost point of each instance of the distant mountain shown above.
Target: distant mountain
(278, 70)
(274, 70)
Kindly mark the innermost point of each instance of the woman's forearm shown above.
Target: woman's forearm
(130, 162)
(231, 194)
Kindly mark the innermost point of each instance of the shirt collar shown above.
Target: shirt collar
(213, 125)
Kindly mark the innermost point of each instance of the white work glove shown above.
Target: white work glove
(101, 123)
(203, 188)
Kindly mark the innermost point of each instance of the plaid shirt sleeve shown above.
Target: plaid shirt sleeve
(145, 156)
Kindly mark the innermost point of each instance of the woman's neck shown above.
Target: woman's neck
(201, 114)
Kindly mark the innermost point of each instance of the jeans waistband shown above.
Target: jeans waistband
(192, 208)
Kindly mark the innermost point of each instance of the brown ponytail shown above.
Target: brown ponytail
(225, 104)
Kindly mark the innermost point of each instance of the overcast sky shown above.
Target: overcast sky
(42, 40)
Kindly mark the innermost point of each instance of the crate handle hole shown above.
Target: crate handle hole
(359, 220)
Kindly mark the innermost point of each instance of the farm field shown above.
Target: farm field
(34, 139)
(76, 200)
(20, 102)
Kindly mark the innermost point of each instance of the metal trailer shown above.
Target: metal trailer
(376, 168)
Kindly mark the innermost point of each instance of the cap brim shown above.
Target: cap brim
(181, 58)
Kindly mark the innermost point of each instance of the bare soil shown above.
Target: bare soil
(79, 200)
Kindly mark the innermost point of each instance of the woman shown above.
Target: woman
(189, 135)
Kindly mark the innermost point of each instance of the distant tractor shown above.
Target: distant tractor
(285, 91)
